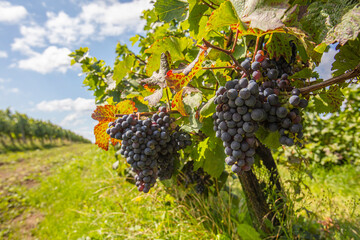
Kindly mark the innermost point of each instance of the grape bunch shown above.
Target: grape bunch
(199, 178)
(150, 146)
(235, 121)
(267, 100)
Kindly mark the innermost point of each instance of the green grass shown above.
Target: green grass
(72, 192)
(326, 199)
(83, 197)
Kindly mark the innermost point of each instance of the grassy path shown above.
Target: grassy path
(71, 192)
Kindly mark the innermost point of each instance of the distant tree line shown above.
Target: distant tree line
(19, 128)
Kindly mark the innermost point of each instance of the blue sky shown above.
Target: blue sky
(35, 38)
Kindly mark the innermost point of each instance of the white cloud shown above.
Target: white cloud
(3, 80)
(11, 13)
(116, 18)
(3, 54)
(51, 60)
(324, 68)
(9, 90)
(33, 36)
(67, 104)
(73, 119)
(65, 30)
(96, 20)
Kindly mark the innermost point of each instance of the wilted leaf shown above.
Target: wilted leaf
(330, 21)
(154, 98)
(264, 15)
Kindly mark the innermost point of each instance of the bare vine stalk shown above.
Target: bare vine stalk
(352, 74)
(146, 113)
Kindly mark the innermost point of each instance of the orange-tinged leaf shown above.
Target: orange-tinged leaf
(101, 137)
(179, 80)
(125, 107)
(177, 103)
(254, 31)
(149, 89)
(114, 141)
(104, 113)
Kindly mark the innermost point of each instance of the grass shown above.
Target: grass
(79, 196)
(325, 199)
(71, 192)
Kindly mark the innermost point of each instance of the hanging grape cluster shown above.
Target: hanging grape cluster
(265, 98)
(199, 178)
(150, 146)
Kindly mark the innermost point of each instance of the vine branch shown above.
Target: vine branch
(229, 53)
(146, 113)
(207, 4)
(352, 74)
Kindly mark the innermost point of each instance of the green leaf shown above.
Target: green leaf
(333, 97)
(305, 73)
(278, 45)
(247, 232)
(269, 139)
(194, 124)
(175, 46)
(78, 55)
(222, 16)
(196, 19)
(168, 10)
(208, 109)
(347, 58)
(192, 101)
(211, 156)
(134, 39)
(122, 68)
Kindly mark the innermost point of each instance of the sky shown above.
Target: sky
(35, 39)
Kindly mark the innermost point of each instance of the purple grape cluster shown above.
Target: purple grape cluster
(267, 99)
(199, 178)
(150, 146)
(235, 121)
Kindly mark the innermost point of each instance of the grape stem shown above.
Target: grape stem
(235, 40)
(352, 74)
(207, 4)
(206, 88)
(229, 53)
(146, 113)
(232, 66)
(256, 47)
